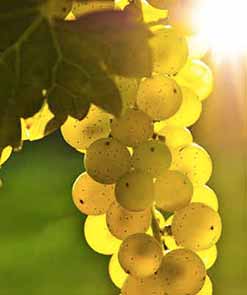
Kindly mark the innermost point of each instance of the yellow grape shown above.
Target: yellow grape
(207, 288)
(152, 13)
(81, 133)
(116, 272)
(161, 4)
(140, 255)
(99, 237)
(135, 191)
(174, 136)
(173, 191)
(208, 256)
(83, 7)
(5, 154)
(33, 128)
(169, 51)
(132, 128)
(91, 197)
(152, 157)
(198, 46)
(197, 76)
(197, 227)
(183, 272)
(123, 223)
(194, 162)
(204, 194)
(160, 97)
(189, 111)
(107, 160)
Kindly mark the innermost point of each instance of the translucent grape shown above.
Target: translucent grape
(152, 157)
(204, 194)
(83, 7)
(197, 227)
(133, 128)
(197, 76)
(183, 272)
(140, 255)
(194, 162)
(91, 197)
(116, 272)
(123, 223)
(189, 111)
(151, 13)
(207, 288)
(5, 154)
(106, 160)
(174, 136)
(99, 237)
(169, 51)
(160, 97)
(80, 134)
(135, 191)
(173, 191)
(208, 256)
(198, 46)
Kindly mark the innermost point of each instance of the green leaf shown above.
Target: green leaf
(68, 63)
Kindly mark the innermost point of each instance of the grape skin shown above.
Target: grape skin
(107, 160)
(133, 128)
(135, 191)
(116, 273)
(204, 194)
(173, 191)
(140, 255)
(91, 197)
(160, 97)
(123, 223)
(197, 227)
(81, 133)
(152, 157)
(5, 154)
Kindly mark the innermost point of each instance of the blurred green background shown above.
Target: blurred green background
(42, 248)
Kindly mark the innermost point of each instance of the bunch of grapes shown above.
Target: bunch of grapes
(145, 187)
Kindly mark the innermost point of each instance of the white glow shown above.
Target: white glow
(223, 24)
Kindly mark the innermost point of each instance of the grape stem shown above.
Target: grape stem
(157, 231)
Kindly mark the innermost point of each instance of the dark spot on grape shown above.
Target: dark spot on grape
(127, 184)
(152, 149)
(212, 227)
(174, 90)
(81, 201)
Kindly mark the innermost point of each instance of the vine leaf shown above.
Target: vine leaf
(69, 64)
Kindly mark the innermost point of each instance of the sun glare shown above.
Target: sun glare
(223, 24)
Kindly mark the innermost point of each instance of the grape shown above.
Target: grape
(5, 154)
(143, 286)
(189, 111)
(106, 160)
(198, 76)
(173, 191)
(183, 272)
(135, 191)
(81, 133)
(99, 237)
(198, 46)
(207, 288)
(194, 162)
(169, 51)
(91, 197)
(152, 14)
(161, 4)
(197, 227)
(152, 157)
(133, 128)
(57, 9)
(159, 97)
(117, 274)
(208, 256)
(140, 255)
(89, 6)
(174, 136)
(204, 194)
(123, 223)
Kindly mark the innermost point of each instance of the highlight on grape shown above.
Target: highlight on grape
(144, 166)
